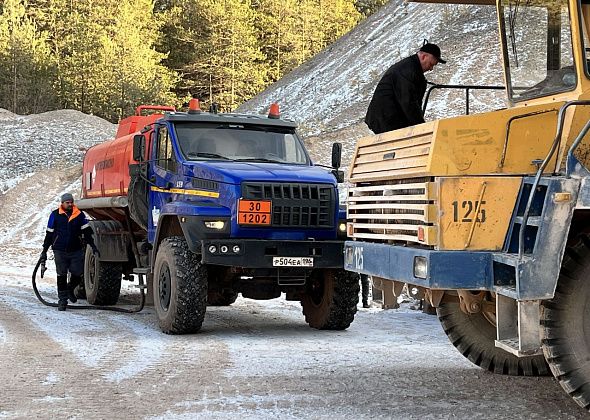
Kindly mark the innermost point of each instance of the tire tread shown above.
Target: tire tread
(558, 316)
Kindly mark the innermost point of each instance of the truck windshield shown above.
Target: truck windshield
(536, 36)
(246, 143)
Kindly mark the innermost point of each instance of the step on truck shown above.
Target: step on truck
(488, 215)
(207, 205)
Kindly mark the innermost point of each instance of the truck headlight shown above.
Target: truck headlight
(215, 224)
(342, 227)
(420, 267)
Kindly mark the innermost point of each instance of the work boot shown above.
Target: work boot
(366, 304)
(63, 300)
(74, 282)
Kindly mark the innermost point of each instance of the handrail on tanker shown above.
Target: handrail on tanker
(141, 108)
(554, 147)
(467, 89)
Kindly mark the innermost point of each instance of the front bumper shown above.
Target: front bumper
(255, 253)
(444, 269)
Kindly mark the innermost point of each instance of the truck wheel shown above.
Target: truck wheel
(474, 336)
(566, 324)
(330, 299)
(102, 280)
(221, 298)
(180, 287)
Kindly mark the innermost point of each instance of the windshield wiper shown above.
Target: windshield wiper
(259, 160)
(209, 155)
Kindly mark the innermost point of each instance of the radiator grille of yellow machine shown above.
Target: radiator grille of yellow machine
(402, 210)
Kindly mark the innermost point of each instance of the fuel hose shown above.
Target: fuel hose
(41, 264)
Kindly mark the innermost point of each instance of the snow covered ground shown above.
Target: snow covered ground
(252, 360)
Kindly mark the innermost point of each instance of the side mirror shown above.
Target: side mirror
(139, 147)
(336, 155)
(339, 175)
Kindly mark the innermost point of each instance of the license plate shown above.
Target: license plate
(292, 262)
(254, 212)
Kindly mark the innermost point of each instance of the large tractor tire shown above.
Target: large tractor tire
(566, 324)
(221, 298)
(474, 336)
(331, 298)
(180, 287)
(102, 280)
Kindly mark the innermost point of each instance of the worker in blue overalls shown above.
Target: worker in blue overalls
(66, 226)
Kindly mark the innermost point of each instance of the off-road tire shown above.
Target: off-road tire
(565, 321)
(331, 298)
(187, 300)
(102, 280)
(474, 336)
(221, 298)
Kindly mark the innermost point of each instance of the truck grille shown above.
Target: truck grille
(295, 205)
(394, 211)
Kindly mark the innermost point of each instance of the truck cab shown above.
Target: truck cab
(216, 205)
(486, 216)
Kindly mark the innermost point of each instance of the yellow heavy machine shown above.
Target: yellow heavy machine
(488, 215)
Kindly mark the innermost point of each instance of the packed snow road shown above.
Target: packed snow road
(251, 360)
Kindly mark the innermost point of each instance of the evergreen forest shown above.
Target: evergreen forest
(104, 57)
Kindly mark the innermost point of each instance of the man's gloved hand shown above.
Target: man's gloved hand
(43, 260)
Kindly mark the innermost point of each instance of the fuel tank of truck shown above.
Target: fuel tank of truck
(106, 165)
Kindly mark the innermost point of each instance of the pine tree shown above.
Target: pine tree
(223, 62)
(26, 67)
(132, 69)
(277, 24)
(368, 7)
(292, 31)
(106, 61)
(107, 56)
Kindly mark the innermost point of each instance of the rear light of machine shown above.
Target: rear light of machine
(421, 234)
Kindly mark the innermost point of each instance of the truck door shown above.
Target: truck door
(164, 177)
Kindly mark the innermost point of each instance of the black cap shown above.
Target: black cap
(434, 50)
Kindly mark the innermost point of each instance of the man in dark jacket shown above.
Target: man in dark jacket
(64, 233)
(397, 101)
